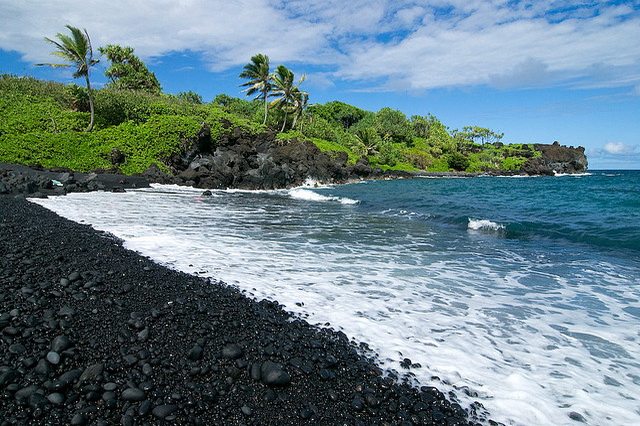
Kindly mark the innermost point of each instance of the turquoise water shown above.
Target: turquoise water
(600, 211)
(520, 293)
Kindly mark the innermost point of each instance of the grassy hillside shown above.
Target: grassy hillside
(43, 122)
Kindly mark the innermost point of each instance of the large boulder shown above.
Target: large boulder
(556, 159)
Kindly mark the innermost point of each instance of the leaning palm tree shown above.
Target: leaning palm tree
(77, 50)
(285, 90)
(257, 71)
(300, 103)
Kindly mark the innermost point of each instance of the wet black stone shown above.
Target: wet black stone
(255, 371)
(145, 408)
(164, 410)
(272, 374)
(53, 358)
(17, 349)
(195, 353)
(79, 419)
(23, 395)
(232, 351)
(577, 417)
(133, 394)
(43, 368)
(91, 372)
(38, 401)
(8, 376)
(357, 404)
(67, 378)
(61, 343)
(56, 398)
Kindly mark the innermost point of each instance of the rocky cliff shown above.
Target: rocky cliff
(248, 161)
(556, 159)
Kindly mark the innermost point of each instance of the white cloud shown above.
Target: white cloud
(619, 148)
(383, 44)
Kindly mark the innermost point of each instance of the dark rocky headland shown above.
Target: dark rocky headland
(92, 333)
(253, 161)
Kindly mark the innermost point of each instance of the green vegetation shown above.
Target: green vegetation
(134, 124)
(127, 71)
(41, 122)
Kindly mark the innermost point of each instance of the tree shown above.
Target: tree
(337, 112)
(257, 71)
(288, 94)
(477, 134)
(393, 126)
(190, 96)
(127, 71)
(458, 161)
(77, 50)
(300, 103)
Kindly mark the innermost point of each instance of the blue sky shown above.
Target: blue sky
(539, 71)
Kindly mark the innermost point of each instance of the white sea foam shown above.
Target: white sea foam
(556, 174)
(534, 336)
(308, 195)
(484, 225)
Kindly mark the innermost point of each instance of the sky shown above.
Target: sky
(537, 71)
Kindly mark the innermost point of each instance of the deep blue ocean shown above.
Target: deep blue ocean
(520, 293)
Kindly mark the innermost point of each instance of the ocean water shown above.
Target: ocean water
(520, 293)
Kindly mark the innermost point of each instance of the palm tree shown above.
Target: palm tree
(300, 103)
(257, 71)
(77, 50)
(286, 90)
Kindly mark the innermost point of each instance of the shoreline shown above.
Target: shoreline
(39, 182)
(144, 343)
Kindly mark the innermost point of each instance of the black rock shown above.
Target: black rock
(272, 374)
(56, 398)
(25, 393)
(133, 395)
(79, 419)
(8, 376)
(91, 372)
(53, 358)
(165, 410)
(195, 353)
(232, 351)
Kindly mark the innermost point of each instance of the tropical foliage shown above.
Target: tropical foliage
(127, 71)
(257, 72)
(77, 50)
(289, 97)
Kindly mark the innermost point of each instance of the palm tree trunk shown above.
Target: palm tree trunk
(265, 108)
(90, 128)
(284, 123)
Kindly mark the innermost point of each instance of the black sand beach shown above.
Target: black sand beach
(92, 333)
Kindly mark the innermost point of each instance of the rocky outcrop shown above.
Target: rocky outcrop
(37, 181)
(556, 159)
(259, 161)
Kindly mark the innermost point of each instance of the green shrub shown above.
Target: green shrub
(335, 147)
(513, 163)
(321, 129)
(458, 161)
(439, 165)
